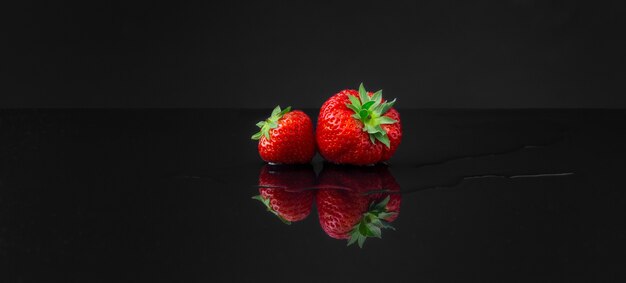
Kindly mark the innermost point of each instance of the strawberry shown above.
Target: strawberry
(358, 127)
(286, 137)
(366, 203)
(286, 191)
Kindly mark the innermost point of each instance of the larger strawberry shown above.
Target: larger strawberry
(362, 202)
(358, 127)
(286, 137)
(286, 191)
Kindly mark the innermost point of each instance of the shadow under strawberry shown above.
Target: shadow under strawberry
(356, 203)
(286, 191)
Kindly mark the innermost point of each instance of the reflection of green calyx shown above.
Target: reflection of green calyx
(371, 223)
(270, 123)
(266, 202)
(370, 111)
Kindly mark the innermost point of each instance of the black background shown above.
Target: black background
(478, 54)
(154, 196)
(119, 195)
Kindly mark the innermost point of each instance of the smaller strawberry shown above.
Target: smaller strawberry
(286, 191)
(286, 137)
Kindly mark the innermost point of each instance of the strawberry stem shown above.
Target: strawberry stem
(370, 111)
(270, 123)
(371, 223)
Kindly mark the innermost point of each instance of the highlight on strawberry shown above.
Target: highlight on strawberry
(358, 128)
(286, 137)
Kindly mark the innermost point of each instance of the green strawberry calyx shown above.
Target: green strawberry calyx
(370, 111)
(371, 223)
(266, 202)
(270, 123)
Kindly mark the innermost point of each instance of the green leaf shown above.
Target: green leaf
(355, 101)
(363, 229)
(353, 238)
(352, 107)
(285, 111)
(382, 204)
(384, 120)
(383, 139)
(361, 241)
(363, 114)
(258, 197)
(275, 111)
(375, 231)
(266, 134)
(257, 136)
(368, 104)
(272, 124)
(372, 139)
(260, 124)
(387, 106)
(283, 219)
(378, 108)
(363, 94)
(386, 225)
(377, 96)
(385, 215)
(370, 129)
(380, 129)
(377, 222)
(373, 108)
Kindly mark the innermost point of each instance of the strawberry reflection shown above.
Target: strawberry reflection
(356, 203)
(286, 191)
(353, 203)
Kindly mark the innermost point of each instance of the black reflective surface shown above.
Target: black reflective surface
(165, 195)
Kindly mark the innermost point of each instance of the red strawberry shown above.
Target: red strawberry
(358, 127)
(286, 137)
(286, 191)
(362, 208)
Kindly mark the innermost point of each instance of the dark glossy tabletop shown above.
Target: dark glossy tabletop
(165, 196)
